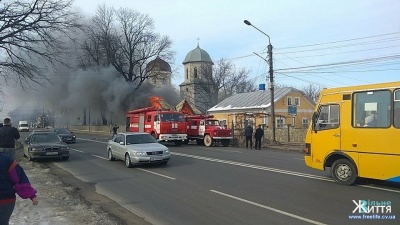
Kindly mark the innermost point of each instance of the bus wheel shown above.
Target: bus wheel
(344, 172)
(208, 141)
(186, 141)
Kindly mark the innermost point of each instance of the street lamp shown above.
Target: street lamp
(271, 79)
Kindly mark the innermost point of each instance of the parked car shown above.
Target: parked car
(66, 135)
(137, 148)
(40, 145)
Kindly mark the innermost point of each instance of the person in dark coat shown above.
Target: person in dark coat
(115, 129)
(248, 133)
(258, 135)
(8, 135)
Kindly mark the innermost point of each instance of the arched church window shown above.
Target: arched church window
(187, 74)
(195, 72)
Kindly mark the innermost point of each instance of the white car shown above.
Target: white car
(137, 148)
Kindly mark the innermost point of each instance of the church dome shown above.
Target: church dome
(158, 65)
(197, 55)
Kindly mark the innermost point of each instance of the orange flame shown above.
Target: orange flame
(159, 103)
(186, 109)
(155, 102)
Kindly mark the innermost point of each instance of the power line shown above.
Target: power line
(333, 42)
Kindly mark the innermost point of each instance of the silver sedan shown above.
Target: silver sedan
(137, 148)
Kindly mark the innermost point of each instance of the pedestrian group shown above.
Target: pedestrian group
(258, 135)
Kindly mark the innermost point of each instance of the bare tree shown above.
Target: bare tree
(30, 33)
(125, 40)
(312, 91)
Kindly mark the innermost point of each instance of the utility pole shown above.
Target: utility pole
(271, 79)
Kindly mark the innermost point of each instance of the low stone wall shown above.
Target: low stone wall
(95, 128)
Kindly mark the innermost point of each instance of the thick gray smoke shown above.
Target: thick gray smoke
(70, 94)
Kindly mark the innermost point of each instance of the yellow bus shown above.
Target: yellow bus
(356, 132)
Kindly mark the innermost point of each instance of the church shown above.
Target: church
(196, 88)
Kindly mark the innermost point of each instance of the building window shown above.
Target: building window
(304, 122)
(187, 89)
(195, 72)
(297, 101)
(289, 100)
(187, 74)
(149, 118)
(222, 122)
(280, 122)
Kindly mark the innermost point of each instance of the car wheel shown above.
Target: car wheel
(29, 156)
(128, 162)
(344, 172)
(110, 155)
(208, 140)
(164, 163)
(65, 158)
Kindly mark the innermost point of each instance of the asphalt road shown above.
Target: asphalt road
(226, 185)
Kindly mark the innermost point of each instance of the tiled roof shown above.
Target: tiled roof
(252, 100)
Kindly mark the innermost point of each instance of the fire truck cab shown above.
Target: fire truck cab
(163, 125)
(206, 130)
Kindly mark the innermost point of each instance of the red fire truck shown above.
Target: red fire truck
(164, 125)
(206, 130)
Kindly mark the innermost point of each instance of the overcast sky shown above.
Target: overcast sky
(367, 32)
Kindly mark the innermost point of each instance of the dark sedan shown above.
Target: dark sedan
(66, 135)
(40, 145)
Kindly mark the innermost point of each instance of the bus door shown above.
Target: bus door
(326, 132)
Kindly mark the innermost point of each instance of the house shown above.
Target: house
(254, 108)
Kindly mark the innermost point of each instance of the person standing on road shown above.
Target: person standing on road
(258, 135)
(115, 130)
(13, 180)
(8, 135)
(248, 133)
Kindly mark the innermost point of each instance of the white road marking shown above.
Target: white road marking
(99, 157)
(256, 167)
(76, 150)
(269, 208)
(102, 142)
(310, 176)
(159, 174)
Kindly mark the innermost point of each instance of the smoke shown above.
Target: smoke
(99, 91)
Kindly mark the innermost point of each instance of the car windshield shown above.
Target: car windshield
(139, 139)
(172, 117)
(45, 137)
(63, 131)
(23, 125)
